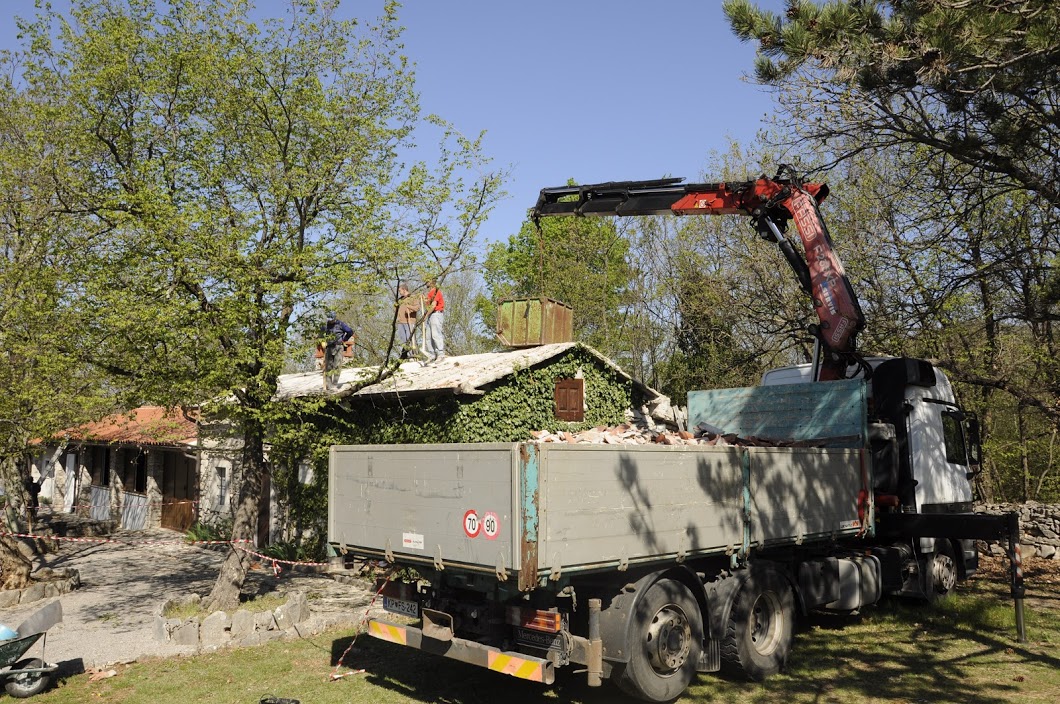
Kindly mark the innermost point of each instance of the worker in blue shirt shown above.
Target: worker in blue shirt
(336, 333)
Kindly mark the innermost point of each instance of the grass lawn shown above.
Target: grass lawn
(961, 650)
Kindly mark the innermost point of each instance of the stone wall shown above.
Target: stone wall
(1039, 528)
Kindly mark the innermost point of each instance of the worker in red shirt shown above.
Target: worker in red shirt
(435, 312)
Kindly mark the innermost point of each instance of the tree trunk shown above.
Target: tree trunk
(225, 593)
(14, 567)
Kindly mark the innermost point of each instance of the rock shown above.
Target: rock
(242, 624)
(186, 633)
(1046, 551)
(297, 606)
(164, 628)
(9, 597)
(34, 592)
(249, 639)
(267, 636)
(264, 621)
(215, 629)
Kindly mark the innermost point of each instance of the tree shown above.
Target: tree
(974, 81)
(227, 178)
(579, 261)
(44, 389)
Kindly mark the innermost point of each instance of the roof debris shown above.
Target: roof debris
(702, 434)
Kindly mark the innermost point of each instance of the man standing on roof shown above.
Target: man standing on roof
(336, 333)
(435, 311)
(407, 310)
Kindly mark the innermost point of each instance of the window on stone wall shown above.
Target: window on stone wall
(570, 400)
(223, 477)
(134, 478)
(100, 467)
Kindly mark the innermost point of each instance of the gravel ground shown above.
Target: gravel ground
(110, 618)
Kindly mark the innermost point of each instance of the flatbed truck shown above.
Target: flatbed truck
(645, 565)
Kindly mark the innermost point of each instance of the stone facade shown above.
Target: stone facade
(1039, 528)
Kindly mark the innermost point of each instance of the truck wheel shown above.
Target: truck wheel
(761, 626)
(943, 570)
(667, 637)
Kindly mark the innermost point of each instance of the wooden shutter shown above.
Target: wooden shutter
(570, 400)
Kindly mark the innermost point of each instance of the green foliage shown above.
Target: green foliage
(201, 531)
(218, 177)
(976, 81)
(579, 261)
(297, 551)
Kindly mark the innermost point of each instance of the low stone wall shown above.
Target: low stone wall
(1039, 528)
(46, 584)
(243, 628)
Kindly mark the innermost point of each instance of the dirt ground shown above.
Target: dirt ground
(110, 618)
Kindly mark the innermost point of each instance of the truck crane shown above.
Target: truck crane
(708, 564)
(771, 204)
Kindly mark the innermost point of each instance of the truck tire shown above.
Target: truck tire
(943, 571)
(761, 626)
(667, 637)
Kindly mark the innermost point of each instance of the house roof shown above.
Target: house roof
(465, 374)
(147, 425)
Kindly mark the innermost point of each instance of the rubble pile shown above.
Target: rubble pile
(628, 434)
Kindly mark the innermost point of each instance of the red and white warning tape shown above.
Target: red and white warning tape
(276, 562)
(120, 541)
(364, 619)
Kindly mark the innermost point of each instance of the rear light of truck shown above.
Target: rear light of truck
(536, 620)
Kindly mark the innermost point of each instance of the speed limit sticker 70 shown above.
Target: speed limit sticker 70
(471, 524)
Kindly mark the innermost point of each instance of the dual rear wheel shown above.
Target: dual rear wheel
(668, 636)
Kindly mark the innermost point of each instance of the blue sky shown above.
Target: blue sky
(591, 90)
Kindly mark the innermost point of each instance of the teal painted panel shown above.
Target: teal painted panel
(829, 409)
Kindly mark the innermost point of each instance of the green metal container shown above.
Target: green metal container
(528, 322)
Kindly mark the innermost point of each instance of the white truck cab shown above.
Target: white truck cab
(940, 440)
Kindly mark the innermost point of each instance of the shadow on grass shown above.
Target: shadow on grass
(964, 650)
(430, 678)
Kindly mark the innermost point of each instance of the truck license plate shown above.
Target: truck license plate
(400, 606)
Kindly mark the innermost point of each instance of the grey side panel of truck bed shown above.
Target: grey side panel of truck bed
(572, 508)
(412, 499)
(604, 506)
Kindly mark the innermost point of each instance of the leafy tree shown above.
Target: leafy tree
(949, 109)
(227, 178)
(579, 261)
(44, 389)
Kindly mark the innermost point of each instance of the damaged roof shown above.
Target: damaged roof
(147, 425)
(462, 375)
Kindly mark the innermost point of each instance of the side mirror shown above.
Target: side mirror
(975, 445)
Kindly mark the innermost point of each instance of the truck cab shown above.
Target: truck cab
(925, 449)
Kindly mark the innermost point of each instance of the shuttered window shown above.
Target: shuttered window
(570, 400)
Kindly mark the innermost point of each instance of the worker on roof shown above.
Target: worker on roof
(336, 334)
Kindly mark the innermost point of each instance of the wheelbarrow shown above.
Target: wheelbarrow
(30, 676)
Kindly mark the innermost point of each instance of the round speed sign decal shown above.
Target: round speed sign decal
(491, 525)
(471, 523)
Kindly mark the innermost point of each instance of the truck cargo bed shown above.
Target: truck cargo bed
(532, 511)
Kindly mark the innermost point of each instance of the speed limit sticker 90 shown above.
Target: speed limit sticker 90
(491, 525)
(471, 524)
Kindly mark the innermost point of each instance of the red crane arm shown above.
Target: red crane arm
(771, 203)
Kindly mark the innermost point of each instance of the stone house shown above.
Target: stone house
(138, 469)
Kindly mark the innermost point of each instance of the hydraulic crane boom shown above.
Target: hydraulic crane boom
(770, 203)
